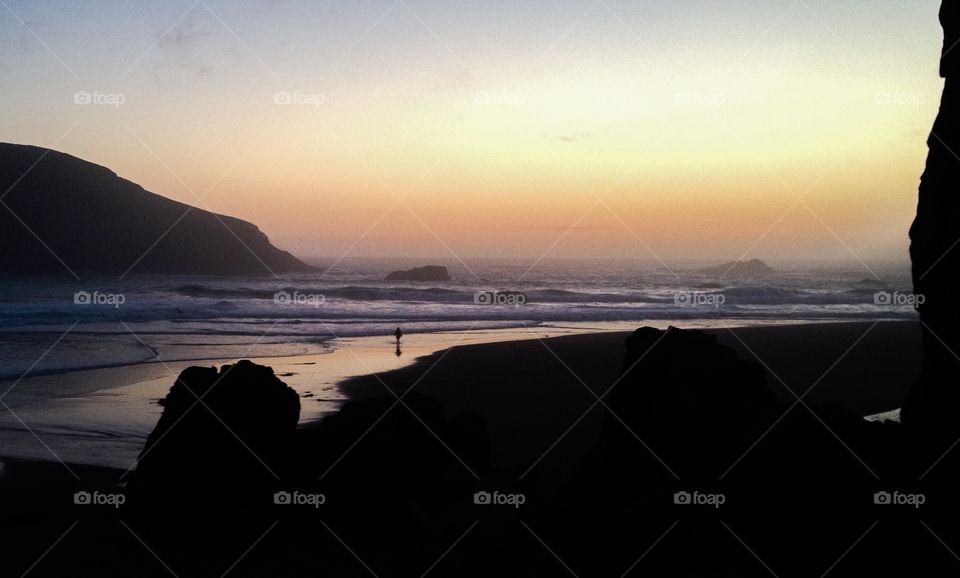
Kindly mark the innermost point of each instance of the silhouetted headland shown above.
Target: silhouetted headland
(91, 220)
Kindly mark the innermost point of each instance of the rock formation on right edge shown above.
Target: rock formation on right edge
(935, 251)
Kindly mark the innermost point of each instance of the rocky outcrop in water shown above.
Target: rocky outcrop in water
(430, 273)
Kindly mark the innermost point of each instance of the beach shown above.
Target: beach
(534, 387)
(539, 400)
(102, 416)
(540, 395)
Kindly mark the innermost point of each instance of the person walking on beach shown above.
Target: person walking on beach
(398, 334)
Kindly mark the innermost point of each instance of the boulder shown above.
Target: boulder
(222, 432)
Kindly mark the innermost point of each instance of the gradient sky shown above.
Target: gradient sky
(663, 129)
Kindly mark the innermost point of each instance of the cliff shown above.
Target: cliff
(59, 212)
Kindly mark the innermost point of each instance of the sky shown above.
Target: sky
(448, 129)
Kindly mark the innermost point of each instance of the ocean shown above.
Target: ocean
(102, 321)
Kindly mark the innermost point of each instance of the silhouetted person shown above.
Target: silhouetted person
(935, 251)
(398, 334)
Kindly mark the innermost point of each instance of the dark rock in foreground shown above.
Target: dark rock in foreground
(223, 436)
(217, 474)
(428, 273)
(61, 208)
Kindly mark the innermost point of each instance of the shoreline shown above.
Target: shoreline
(583, 327)
(119, 416)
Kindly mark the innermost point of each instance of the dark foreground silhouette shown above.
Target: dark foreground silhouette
(398, 485)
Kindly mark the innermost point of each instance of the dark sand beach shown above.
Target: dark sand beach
(532, 392)
(864, 366)
(542, 404)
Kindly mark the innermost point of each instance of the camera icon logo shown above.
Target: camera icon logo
(483, 298)
(681, 298)
(682, 498)
(81, 498)
(482, 498)
(281, 298)
(282, 97)
(281, 498)
(882, 298)
(81, 298)
(82, 97)
(882, 498)
(683, 99)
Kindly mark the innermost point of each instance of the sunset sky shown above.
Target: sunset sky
(617, 128)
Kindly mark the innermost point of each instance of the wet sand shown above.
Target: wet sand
(535, 391)
(102, 416)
